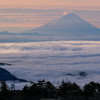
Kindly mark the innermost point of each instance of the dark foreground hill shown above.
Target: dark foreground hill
(7, 76)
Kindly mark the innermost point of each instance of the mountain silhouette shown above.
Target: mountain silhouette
(7, 33)
(7, 76)
(69, 24)
(2, 64)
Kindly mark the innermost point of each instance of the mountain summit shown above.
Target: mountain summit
(69, 24)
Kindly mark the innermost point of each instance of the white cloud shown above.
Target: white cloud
(53, 60)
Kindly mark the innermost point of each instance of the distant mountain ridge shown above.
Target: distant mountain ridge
(2, 64)
(8, 33)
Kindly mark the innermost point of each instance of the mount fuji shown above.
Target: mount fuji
(69, 24)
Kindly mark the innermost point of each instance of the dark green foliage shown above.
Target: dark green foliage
(4, 88)
(68, 86)
(91, 88)
(49, 86)
(34, 90)
(25, 89)
(43, 89)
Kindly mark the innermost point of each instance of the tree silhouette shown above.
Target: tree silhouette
(4, 88)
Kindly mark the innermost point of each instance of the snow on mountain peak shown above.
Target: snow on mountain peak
(66, 20)
(65, 13)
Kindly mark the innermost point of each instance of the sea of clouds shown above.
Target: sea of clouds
(51, 60)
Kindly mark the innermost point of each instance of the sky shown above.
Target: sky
(48, 3)
(22, 15)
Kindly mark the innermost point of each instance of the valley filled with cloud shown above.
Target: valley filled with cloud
(78, 61)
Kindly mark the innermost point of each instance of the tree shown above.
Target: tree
(4, 88)
(34, 90)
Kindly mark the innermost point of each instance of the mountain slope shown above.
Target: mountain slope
(69, 24)
(7, 76)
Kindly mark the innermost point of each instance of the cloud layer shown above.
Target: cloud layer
(53, 60)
